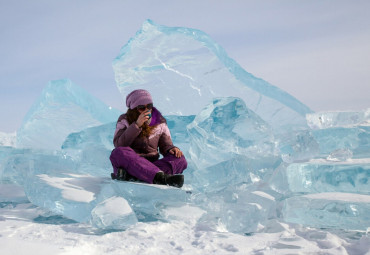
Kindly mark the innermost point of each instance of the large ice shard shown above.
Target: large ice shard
(52, 182)
(184, 69)
(62, 185)
(324, 194)
(319, 176)
(231, 151)
(341, 132)
(345, 211)
(225, 129)
(62, 108)
(71, 195)
(355, 139)
(237, 208)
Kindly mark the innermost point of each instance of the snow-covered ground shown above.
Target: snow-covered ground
(21, 234)
(28, 229)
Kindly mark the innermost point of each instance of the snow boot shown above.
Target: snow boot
(122, 175)
(176, 180)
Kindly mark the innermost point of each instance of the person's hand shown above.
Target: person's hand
(177, 152)
(143, 117)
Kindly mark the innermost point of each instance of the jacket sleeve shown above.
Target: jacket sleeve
(165, 141)
(125, 134)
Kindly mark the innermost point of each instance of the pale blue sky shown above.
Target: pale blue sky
(318, 51)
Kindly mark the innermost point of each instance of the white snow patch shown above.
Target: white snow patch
(184, 213)
(359, 161)
(263, 194)
(114, 206)
(69, 191)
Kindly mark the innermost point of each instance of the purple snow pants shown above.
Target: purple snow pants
(143, 169)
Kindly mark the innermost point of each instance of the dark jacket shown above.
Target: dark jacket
(127, 135)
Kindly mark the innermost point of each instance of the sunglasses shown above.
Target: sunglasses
(143, 107)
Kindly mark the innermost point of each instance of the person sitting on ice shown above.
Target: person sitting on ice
(138, 135)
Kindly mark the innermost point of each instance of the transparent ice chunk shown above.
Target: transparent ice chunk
(54, 182)
(237, 208)
(226, 128)
(355, 139)
(297, 145)
(73, 196)
(113, 213)
(184, 69)
(248, 211)
(347, 211)
(62, 108)
(322, 176)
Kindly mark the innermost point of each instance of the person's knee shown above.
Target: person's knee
(182, 162)
(122, 151)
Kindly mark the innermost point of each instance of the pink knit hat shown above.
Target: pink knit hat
(138, 97)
